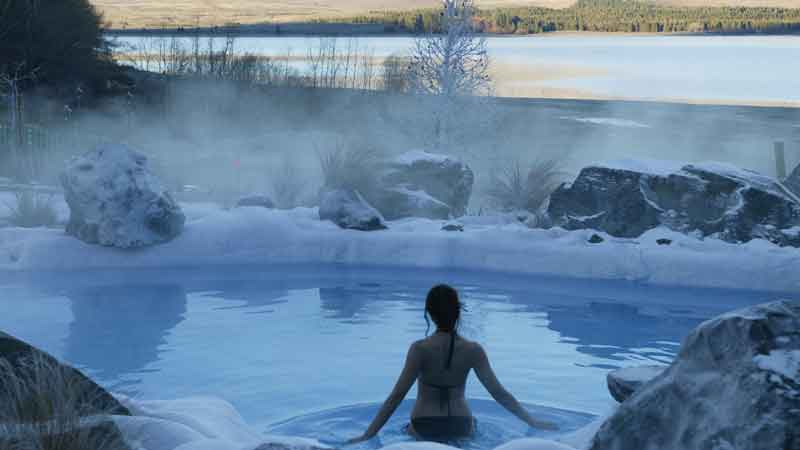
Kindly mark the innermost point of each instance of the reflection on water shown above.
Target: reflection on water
(118, 330)
(300, 347)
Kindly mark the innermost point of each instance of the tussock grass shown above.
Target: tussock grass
(32, 209)
(355, 168)
(524, 188)
(47, 406)
(288, 184)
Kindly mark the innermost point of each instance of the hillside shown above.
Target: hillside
(158, 13)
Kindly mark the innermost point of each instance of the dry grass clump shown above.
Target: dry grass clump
(48, 406)
(519, 188)
(355, 168)
(32, 209)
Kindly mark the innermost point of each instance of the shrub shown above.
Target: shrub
(32, 210)
(288, 185)
(514, 189)
(47, 406)
(355, 168)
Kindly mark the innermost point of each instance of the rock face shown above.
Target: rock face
(628, 198)
(622, 383)
(793, 182)
(734, 385)
(256, 201)
(349, 210)
(420, 184)
(96, 399)
(116, 201)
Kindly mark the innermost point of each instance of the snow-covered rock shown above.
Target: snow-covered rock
(627, 198)
(793, 181)
(534, 444)
(421, 184)
(255, 200)
(735, 384)
(116, 201)
(622, 383)
(94, 399)
(349, 210)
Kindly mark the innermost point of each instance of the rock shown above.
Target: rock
(401, 202)
(716, 200)
(453, 226)
(664, 241)
(534, 444)
(421, 184)
(89, 435)
(735, 384)
(116, 201)
(96, 400)
(282, 446)
(622, 383)
(349, 210)
(793, 181)
(596, 239)
(256, 200)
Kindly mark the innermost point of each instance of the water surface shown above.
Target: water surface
(312, 351)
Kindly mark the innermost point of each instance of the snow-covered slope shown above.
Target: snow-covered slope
(253, 235)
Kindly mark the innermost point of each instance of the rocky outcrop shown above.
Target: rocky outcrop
(717, 200)
(255, 201)
(349, 210)
(116, 201)
(793, 181)
(95, 400)
(622, 383)
(421, 184)
(735, 384)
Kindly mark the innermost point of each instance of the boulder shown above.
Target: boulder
(622, 383)
(453, 226)
(402, 202)
(256, 201)
(115, 200)
(628, 198)
(349, 210)
(793, 181)
(421, 184)
(735, 384)
(95, 399)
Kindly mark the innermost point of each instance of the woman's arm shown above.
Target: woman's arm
(483, 370)
(407, 378)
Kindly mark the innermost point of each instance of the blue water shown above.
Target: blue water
(698, 68)
(312, 351)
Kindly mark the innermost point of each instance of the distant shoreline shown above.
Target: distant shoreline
(295, 29)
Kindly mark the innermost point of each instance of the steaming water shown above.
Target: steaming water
(311, 351)
(696, 68)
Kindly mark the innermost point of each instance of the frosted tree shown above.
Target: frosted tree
(453, 61)
(449, 64)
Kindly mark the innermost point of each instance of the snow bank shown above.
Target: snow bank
(197, 423)
(261, 236)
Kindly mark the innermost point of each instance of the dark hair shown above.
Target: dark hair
(444, 307)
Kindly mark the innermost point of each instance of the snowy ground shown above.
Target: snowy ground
(215, 236)
(205, 423)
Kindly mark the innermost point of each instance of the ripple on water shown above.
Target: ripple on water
(495, 425)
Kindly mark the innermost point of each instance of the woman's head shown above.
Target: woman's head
(444, 307)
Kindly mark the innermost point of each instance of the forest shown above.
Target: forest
(629, 16)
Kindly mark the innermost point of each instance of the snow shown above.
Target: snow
(534, 444)
(491, 243)
(639, 373)
(420, 198)
(662, 168)
(608, 121)
(197, 423)
(785, 363)
(414, 156)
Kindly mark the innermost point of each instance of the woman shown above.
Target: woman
(441, 364)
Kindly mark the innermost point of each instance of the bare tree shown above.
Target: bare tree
(450, 63)
(454, 60)
(11, 84)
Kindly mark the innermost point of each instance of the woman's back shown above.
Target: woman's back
(440, 390)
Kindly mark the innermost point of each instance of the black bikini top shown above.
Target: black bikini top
(444, 389)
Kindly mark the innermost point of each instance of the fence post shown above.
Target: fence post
(780, 159)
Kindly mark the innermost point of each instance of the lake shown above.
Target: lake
(755, 70)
